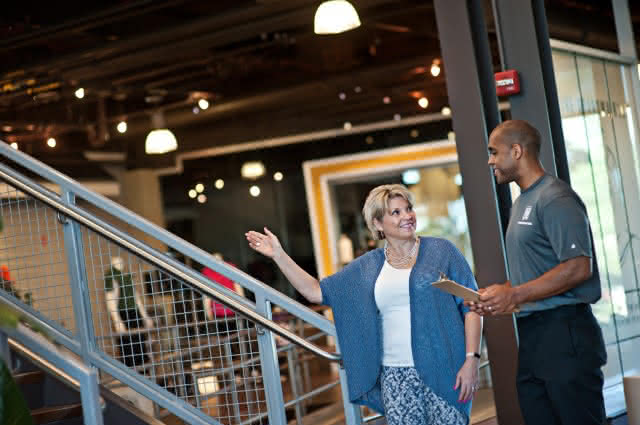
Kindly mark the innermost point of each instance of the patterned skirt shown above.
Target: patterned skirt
(408, 401)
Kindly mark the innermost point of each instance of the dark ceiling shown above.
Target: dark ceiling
(263, 70)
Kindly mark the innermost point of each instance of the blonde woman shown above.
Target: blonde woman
(410, 351)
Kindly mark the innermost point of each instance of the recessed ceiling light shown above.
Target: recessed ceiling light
(122, 127)
(435, 67)
(219, 184)
(252, 170)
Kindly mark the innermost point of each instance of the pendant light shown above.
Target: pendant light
(160, 140)
(334, 17)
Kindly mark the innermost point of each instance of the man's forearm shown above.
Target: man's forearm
(561, 278)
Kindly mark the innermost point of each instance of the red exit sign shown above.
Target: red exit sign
(507, 82)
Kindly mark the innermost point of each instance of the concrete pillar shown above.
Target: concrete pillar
(140, 191)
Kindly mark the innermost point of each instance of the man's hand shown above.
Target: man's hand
(495, 299)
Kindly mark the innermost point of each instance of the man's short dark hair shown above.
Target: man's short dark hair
(522, 133)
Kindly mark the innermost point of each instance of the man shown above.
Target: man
(553, 280)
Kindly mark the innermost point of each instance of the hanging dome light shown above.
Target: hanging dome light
(160, 140)
(334, 17)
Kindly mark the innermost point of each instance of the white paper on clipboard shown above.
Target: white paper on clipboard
(456, 289)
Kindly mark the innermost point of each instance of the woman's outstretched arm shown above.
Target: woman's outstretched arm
(268, 245)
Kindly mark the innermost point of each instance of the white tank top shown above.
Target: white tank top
(392, 298)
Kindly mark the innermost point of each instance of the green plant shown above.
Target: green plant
(13, 407)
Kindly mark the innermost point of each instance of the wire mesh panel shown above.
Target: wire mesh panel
(174, 335)
(32, 257)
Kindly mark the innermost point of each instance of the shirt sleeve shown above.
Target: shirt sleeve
(329, 286)
(566, 225)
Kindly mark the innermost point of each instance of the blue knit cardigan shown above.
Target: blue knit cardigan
(437, 321)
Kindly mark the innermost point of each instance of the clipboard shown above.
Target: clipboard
(456, 289)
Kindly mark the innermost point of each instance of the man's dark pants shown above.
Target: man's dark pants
(560, 380)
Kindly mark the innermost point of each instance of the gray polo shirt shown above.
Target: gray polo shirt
(548, 226)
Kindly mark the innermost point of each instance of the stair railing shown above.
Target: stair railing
(68, 369)
(164, 362)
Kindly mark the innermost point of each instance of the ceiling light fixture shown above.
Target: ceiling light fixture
(199, 188)
(14, 145)
(386, 100)
(79, 93)
(423, 102)
(254, 191)
(411, 176)
(435, 67)
(347, 126)
(278, 176)
(203, 104)
(334, 17)
(446, 111)
(51, 142)
(219, 184)
(397, 117)
(122, 127)
(252, 170)
(193, 193)
(202, 198)
(160, 140)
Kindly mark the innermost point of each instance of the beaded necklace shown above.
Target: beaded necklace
(400, 261)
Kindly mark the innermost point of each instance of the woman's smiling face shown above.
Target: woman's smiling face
(399, 220)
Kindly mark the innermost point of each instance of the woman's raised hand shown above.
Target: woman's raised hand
(266, 244)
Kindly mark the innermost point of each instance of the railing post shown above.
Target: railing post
(90, 398)
(352, 413)
(270, 367)
(78, 277)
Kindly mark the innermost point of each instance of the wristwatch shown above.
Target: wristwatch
(473, 354)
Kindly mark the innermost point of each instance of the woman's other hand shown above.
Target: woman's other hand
(467, 380)
(265, 243)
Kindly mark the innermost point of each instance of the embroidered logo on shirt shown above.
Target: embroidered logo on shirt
(525, 216)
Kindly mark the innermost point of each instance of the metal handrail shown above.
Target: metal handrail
(166, 237)
(156, 258)
(68, 370)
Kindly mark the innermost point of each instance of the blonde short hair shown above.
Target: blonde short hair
(377, 204)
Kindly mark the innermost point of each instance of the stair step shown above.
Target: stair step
(332, 414)
(45, 415)
(27, 378)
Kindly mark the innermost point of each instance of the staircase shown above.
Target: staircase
(54, 397)
(162, 350)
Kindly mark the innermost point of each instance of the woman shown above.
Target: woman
(410, 351)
